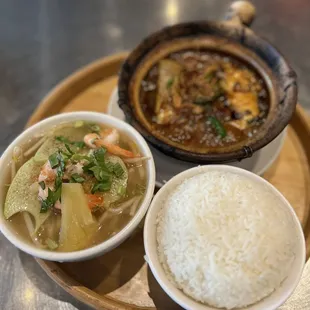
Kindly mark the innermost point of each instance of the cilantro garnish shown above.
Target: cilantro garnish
(76, 178)
(101, 186)
(57, 162)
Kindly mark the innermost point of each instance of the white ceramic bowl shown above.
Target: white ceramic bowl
(106, 245)
(271, 302)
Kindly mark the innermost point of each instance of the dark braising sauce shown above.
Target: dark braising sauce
(201, 100)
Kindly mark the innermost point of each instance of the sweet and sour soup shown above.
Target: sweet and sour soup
(74, 186)
(202, 100)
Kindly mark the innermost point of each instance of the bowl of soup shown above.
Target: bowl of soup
(74, 186)
(208, 92)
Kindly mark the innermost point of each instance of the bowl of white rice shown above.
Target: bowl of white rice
(220, 237)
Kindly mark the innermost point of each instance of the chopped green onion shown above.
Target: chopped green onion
(79, 124)
(76, 178)
(51, 244)
(110, 166)
(220, 129)
(42, 185)
(118, 170)
(94, 127)
(121, 190)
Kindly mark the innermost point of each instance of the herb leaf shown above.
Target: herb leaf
(48, 202)
(57, 161)
(87, 167)
(169, 83)
(100, 174)
(68, 149)
(79, 144)
(210, 75)
(118, 170)
(99, 156)
(220, 129)
(78, 157)
(62, 139)
(53, 159)
(101, 187)
(42, 185)
(76, 178)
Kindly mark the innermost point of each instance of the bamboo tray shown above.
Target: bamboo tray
(121, 279)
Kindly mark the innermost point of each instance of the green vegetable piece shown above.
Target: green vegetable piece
(220, 129)
(99, 155)
(51, 244)
(78, 157)
(53, 159)
(101, 187)
(169, 83)
(203, 101)
(62, 139)
(87, 168)
(42, 185)
(51, 199)
(66, 141)
(94, 127)
(118, 170)
(20, 198)
(76, 178)
(79, 124)
(109, 165)
(121, 190)
(209, 76)
(79, 144)
(100, 174)
(57, 161)
(68, 149)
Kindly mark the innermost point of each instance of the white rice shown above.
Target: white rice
(225, 240)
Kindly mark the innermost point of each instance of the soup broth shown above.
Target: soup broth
(75, 186)
(201, 100)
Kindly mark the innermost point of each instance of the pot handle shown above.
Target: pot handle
(241, 12)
